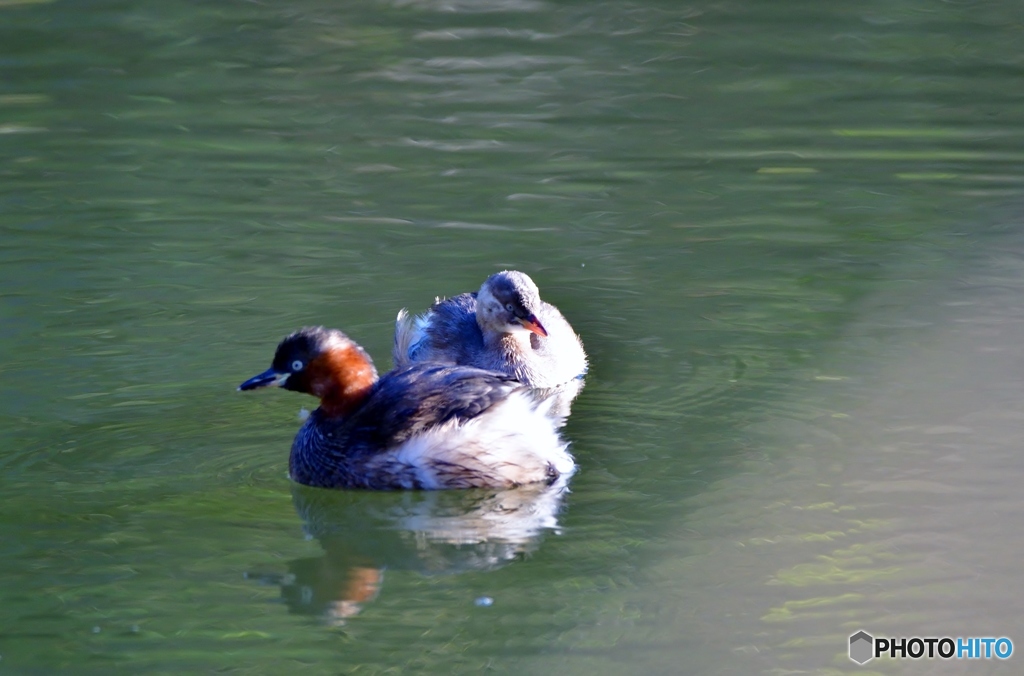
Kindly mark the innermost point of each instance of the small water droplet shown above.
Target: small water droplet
(96, 630)
(484, 601)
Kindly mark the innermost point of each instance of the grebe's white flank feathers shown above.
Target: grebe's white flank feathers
(488, 450)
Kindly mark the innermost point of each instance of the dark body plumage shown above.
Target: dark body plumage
(333, 452)
(453, 331)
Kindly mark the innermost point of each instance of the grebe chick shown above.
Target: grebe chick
(422, 426)
(504, 327)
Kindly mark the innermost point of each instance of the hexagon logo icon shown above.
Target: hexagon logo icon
(862, 647)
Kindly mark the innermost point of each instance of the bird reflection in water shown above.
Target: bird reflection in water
(364, 533)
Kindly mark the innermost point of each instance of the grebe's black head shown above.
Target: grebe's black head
(509, 301)
(312, 359)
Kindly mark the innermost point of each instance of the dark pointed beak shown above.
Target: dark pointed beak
(533, 324)
(265, 379)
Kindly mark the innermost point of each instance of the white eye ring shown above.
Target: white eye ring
(510, 308)
(297, 365)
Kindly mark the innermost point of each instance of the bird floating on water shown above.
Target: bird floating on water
(425, 425)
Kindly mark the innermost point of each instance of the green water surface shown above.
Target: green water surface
(788, 234)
